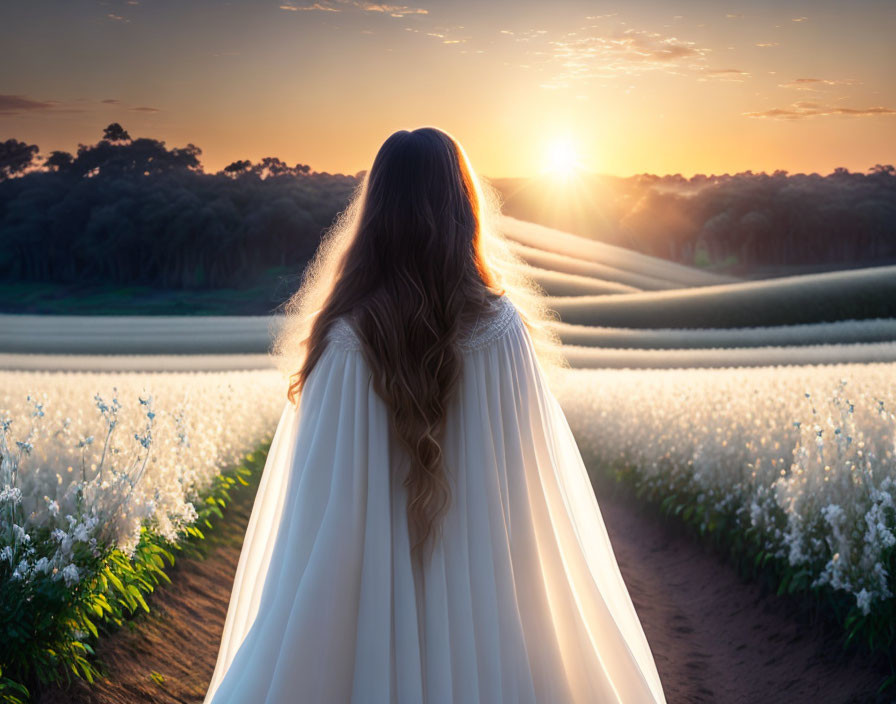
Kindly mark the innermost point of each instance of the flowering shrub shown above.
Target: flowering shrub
(96, 490)
(797, 462)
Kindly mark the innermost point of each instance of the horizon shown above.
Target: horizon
(639, 90)
(558, 179)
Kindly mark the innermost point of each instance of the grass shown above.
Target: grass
(101, 299)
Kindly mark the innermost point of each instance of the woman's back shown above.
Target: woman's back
(520, 599)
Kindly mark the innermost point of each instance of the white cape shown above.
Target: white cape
(522, 600)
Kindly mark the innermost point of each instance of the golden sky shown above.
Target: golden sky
(624, 88)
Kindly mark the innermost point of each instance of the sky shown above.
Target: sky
(619, 88)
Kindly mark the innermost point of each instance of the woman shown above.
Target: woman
(425, 530)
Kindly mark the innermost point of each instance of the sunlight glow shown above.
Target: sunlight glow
(562, 157)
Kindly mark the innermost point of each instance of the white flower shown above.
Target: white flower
(20, 533)
(81, 533)
(22, 570)
(12, 494)
(863, 601)
(70, 573)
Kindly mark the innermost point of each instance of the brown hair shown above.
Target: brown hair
(413, 274)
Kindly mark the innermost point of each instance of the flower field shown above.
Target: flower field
(113, 451)
(799, 460)
(100, 474)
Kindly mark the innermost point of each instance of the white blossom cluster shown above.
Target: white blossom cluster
(86, 459)
(805, 456)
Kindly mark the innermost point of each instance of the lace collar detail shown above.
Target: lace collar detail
(485, 331)
(490, 329)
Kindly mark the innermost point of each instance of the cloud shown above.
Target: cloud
(316, 6)
(763, 44)
(364, 5)
(133, 108)
(799, 19)
(117, 18)
(19, 104)
(445, 34)
(805, 109)
(15, 104)
(727, 74)
(815, 84)
(525, 35)
(393, 10)
(621, 53)
(651, 46)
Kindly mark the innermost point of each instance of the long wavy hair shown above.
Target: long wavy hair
(412, 262)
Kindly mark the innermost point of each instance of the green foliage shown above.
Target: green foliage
(12, 692)
(48, 630)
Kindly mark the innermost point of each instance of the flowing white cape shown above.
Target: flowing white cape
(522, 600)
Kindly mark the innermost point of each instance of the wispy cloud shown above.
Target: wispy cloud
(316, 6)
(117, 18)
(725, 74)
(524, 35)
(14, 104)
(444, 34)
(393, 10)
(764, 44)
(805, 109)
(621, 53)
(799, 19)
(815, 84)
(364, 5)
(20, 104)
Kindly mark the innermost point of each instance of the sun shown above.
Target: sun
(562, 157)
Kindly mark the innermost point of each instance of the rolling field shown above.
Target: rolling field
(617, 308)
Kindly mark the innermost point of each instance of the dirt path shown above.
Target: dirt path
(715, 639)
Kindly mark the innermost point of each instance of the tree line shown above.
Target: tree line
(135, 212)
(132, 211)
